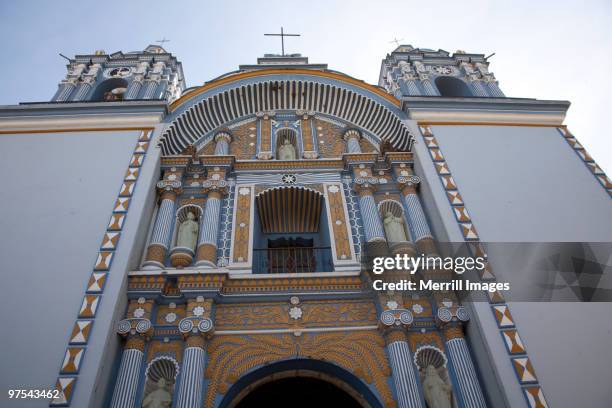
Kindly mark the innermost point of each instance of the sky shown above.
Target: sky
(558, 50)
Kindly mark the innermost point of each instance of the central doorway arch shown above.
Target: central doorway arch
(300, 383)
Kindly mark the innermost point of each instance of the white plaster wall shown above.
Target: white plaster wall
(526, 184)
(58, 193)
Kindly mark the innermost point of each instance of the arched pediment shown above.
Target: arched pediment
(239, 96)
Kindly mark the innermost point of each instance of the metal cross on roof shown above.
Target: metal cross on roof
(282, 35)
(396, 41)
(162, 41)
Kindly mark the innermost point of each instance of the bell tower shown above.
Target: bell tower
(150, 74)
(410, 71)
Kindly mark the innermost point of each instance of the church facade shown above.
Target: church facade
(199, 247)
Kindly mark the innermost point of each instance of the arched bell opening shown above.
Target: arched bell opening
(290, 235)
(300, 383)
(112, 89)
(453, 87)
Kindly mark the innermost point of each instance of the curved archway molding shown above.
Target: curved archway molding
(338, 376)
(359, 107)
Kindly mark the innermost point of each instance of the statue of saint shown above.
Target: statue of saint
(188, 233)
(437, 392)
(160, 398)
(286, 151)
(394, 228)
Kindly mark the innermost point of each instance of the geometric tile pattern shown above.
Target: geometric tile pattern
(535, 397)
(508, 331)
(79, 337)
(586, 158)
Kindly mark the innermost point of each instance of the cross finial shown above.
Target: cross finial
(396, 41)
(162, 41)
(282, 35)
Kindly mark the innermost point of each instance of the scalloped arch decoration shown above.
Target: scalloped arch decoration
(351, 106)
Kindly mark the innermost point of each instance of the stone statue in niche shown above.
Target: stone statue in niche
(286, 151)
(437, 391)
(188, 233)
(394, 228)
(160, 397)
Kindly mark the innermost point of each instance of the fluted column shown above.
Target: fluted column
(222, 140)
(162, 229)
(137, 331)
(81, 91)
(469, 386)
(206, 255)
(372, 224)
(494, 88)
(478, 87)
(64, 91)
(134, 88)
(417, 221)
(196, 329)
(393, 324)
(149, 89)
(352, 137)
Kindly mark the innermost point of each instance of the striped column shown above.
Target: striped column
(191, 387)
(126, 385)
(494, 89)
(352, 137)
(429, 88)
(133, 89)
(162, 232)
(416, 216)
(207, 242)
(402, 371)
(372, 225)
(81, 91)
(469, 386)
(64, 91)
(149, 89)
(478, 88)
(222, 147)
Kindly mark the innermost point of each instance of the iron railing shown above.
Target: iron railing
(292, 260)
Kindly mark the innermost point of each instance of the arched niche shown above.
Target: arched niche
(112, 89)
(429, 355)
(397, 210)
(452, 87)
(160, 378)
(283, 136)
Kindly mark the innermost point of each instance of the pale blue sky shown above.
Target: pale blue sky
(544, 49)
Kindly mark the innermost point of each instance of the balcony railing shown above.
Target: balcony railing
(292, 260)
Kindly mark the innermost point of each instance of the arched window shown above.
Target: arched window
(449, 86)
(286, 144)
(110, 90)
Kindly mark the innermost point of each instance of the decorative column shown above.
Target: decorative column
(352, 137)
(149, 90)
(469, 386)
(265, 150)
(134, 88)
(478, 87)
(206, 255)
(309, 139)
(196, 329)
(64, 91)
(137, 331)
(162, 230)
(417, 221)
(372, 224)
(222, 140)
(88, 80)
(393, 323)
(493, 87)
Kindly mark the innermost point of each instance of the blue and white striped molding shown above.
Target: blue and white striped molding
(588, 161)
(79, 337)
(517, 352)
